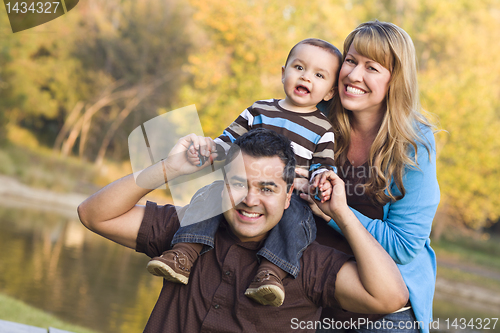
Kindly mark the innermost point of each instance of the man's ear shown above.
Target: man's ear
(282, 74)
(331, 93)
(289, 197)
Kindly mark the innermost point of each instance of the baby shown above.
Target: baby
(309, 77)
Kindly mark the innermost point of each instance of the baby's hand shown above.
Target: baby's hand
(324, 188)
(200, 151)
(192, 156)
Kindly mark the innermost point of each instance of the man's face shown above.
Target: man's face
(259, 192)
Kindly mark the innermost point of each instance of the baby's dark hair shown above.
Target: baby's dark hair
(262, 142)
(321, 44)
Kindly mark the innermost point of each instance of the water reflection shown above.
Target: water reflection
(53, 263)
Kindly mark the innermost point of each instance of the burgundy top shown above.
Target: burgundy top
(214, 300)
(353, 177)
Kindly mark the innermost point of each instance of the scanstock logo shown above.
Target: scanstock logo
(26, 14)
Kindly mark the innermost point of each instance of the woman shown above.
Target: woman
(385, 154)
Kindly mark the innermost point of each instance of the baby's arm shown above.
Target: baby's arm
(322, 160)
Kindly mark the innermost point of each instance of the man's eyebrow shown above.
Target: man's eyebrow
(239, 178)
(269, 183)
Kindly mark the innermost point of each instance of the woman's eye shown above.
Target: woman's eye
(350, 61)
(372, 69)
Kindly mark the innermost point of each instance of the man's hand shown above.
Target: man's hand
(301, 182)
(373, 284)
(183, 159)
(201, 147)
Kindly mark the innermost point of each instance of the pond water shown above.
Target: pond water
(52, 262)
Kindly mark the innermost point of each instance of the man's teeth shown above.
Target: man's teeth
(249, 214)
(356, 91)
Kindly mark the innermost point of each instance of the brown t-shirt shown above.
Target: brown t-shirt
(353, 178)
(214, 300)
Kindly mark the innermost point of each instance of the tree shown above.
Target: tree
(58, 81)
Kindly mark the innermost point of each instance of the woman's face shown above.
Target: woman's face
(363, 83)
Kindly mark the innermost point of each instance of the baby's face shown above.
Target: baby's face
(309, 77)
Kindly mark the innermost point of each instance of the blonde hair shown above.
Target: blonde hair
(390, 152)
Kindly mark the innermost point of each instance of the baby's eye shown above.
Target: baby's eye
(299, 67)
(321, 76)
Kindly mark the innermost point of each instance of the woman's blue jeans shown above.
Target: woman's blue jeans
(284, 245)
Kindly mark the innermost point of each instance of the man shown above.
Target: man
(258, 190)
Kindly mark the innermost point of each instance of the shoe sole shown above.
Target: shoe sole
(160, 269)
(266, 295)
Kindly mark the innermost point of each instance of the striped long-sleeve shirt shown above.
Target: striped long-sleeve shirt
(311, 133)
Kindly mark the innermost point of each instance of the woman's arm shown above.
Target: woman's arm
(407, 226)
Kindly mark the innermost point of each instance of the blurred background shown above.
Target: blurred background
(73, 89)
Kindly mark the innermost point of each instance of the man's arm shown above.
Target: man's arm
(113, 212)
(373, 284)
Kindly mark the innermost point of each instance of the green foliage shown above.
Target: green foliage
(241, 47)
(459, 84)
(222, 56)
(96, 50)
(243, 44)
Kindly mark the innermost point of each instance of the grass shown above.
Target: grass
(483, 251)
(43, 168)
(455, 274)
(40, 167)
(19, 312)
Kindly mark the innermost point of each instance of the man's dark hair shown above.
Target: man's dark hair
(262, 142)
